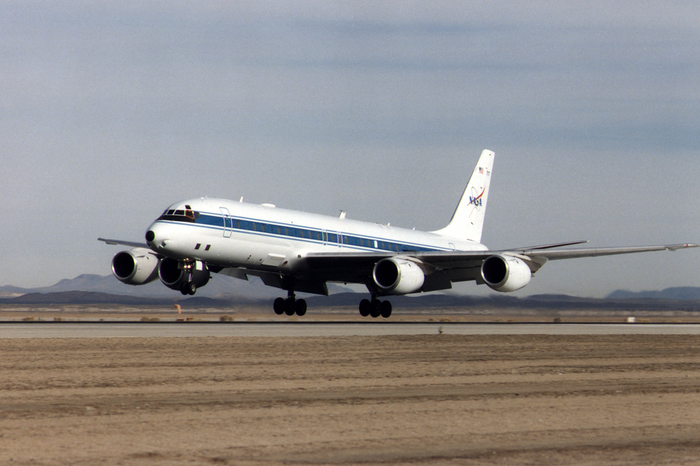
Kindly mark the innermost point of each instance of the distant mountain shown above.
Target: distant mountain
(80, 297)
(219, 286)
(221, 290)
(681, 292)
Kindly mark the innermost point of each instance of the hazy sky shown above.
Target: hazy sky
(112, 110)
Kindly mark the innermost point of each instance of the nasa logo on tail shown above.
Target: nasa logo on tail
(476, 199)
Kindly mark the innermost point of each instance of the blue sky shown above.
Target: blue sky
(113, 110)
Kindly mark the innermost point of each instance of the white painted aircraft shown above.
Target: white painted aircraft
(302, 252)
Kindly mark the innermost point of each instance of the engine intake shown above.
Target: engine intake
(505, 273)
(396, 276)
(136, 267)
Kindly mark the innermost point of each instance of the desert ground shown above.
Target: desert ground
(438, 399)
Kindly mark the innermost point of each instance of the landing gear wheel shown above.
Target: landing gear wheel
(300, 307)
(290, 305)
(365, 306)
(188, 288)
(279, 306)
(375, 308)
(385, 309)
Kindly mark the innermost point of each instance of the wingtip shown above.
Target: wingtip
(674, 247)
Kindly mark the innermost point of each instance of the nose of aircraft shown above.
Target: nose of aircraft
(156, 238)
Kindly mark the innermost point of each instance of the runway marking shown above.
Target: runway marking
(321, 329)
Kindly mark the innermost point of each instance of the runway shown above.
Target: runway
(323, 329)
(377, 401)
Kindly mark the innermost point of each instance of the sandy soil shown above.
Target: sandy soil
(477, 400)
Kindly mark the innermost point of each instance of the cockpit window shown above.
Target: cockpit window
(180, 215)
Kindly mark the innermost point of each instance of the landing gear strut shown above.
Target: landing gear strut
(375, 308)
(190, 276)
(290, 306)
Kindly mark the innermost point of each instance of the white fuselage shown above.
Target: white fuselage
(262, 237)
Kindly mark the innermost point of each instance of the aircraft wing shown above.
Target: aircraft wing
(594, 252)
(118, 242)
(444, 267)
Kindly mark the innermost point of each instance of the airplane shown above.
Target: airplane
(302, 252)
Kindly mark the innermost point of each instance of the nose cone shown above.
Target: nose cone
(156, 237)
(168, 240)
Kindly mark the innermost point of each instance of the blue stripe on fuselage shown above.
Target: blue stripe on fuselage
(260, 227)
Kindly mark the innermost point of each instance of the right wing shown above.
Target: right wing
(444, 267)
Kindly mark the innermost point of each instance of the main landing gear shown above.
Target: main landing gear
(290, 306)
(375, 308)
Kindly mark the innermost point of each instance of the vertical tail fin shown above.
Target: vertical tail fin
(468, 219)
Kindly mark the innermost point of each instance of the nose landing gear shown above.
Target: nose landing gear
(188, 288)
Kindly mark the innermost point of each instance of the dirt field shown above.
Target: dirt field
(482, 400)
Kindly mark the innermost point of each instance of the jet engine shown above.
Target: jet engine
(505, 273)
(183, 276)
(396, 276)
(136, 267)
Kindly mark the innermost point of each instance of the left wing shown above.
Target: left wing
(119, 242)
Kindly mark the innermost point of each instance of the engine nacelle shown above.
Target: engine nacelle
(505, 273)
(396, 276)
(174, 274)
(136, 267)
